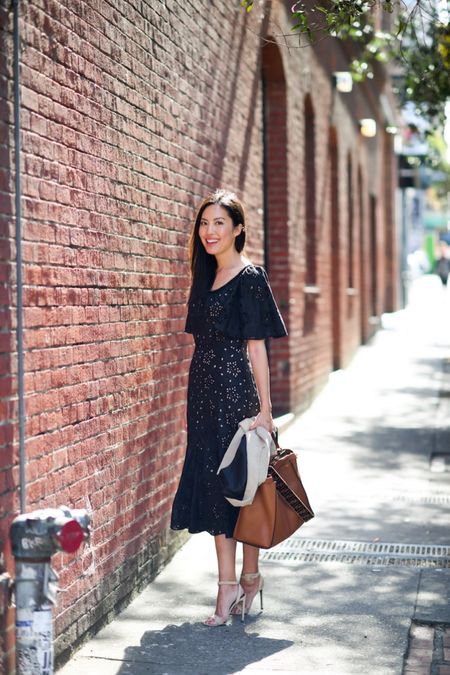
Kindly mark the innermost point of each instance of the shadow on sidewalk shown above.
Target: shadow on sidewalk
(196, 649)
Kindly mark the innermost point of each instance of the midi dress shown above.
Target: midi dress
(221, 392)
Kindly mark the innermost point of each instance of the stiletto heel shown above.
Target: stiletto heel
(217, 620)
(258, 589)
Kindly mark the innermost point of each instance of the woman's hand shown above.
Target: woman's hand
(263, 419)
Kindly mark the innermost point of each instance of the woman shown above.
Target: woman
(442, 267)
(231, 311)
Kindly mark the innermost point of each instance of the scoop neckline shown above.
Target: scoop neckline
(214, 290)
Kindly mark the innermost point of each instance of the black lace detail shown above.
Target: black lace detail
(221, 392)
(247, 309)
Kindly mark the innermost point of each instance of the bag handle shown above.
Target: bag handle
(303, 510)
(288, 494)
(291, 497)
(243, 428)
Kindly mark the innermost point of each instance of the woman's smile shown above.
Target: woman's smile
(210, 243)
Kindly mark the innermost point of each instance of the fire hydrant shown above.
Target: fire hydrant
(35, 537)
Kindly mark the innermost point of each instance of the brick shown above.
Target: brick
(416, 650)
(422, 643)
(117, 151)
(419, 658)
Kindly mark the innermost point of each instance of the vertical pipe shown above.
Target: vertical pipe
(18, 189)
(404, 248)
(265, 175)
(265, 186)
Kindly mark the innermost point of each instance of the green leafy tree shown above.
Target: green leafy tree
(419, 40)
(426, 75)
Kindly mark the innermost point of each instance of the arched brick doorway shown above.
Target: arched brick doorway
(276, 213)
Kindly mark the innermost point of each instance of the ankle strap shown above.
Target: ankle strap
(250, 576)
(227, 583)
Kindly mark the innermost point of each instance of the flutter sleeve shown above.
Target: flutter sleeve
(259, 317)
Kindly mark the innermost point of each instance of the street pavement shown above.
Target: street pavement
(364, 587)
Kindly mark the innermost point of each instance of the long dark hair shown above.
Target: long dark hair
(203, 264)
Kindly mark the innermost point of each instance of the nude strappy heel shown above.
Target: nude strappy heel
(259, 589)
(216, 620)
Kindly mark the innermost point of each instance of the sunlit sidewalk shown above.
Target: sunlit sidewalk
(347, 593)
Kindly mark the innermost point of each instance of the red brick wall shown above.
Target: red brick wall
(313, 351)
(124, 128)
(308, 78)
(129, 115)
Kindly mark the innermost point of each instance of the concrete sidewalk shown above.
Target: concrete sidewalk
(362, 588)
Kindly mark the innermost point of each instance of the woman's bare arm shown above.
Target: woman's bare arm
(257, 354)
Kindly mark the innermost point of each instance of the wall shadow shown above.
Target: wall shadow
(250, 117)
(193, 648)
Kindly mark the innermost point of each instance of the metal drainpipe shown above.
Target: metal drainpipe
(265, 188)
(18, 188)
(265, 181)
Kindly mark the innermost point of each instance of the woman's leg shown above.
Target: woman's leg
(251, 580)
(226, 563)
(226, 557)
(250, 559)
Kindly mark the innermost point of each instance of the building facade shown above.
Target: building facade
(130, 113)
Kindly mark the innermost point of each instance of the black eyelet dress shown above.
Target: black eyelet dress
(221, 392)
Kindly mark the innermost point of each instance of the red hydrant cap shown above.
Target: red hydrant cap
(70, 536)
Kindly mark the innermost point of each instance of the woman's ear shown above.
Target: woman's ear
(238, 229)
